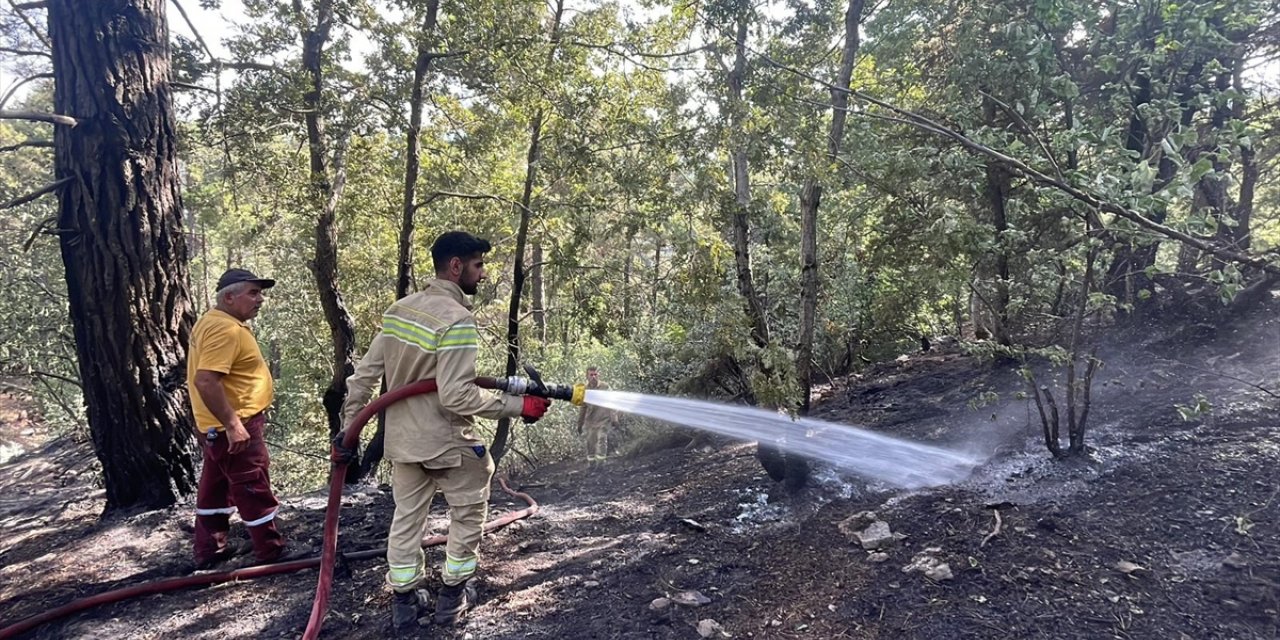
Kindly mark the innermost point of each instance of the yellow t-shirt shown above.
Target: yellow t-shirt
(221, 343)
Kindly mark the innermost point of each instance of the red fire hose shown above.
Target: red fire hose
(330, 546)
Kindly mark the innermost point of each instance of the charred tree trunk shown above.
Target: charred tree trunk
(525, 212)
(325, 193)
(412, 166)
(122, 243)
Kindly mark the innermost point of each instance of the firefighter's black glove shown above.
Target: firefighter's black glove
(341, 454)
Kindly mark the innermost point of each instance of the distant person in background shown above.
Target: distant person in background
(431, 439)
(594, 422)
(230, 388)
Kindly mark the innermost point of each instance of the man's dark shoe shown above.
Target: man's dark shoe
(454, 602)
(287, 554)
(234, 548)
(406, 608)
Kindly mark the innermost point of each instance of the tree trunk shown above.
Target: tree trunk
(741, 215)
(1248, 165)
(524, 211)
(628, 268)
(999, 182)
(1127, 274)
(412, 165)
(811, 199)
(122, 243)
(537, 293)
(325, 195)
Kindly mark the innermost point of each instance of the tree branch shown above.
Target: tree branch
(1017, 117)
(48, 188)
(191, 87)
(38, 4)
(434, 55)
(40, 228)
(194, 31)
(46, 144)
(1021, 168)
(431, 197)
(14, 88)
(25, 52)
(52, 118)
(250, 66)
(31, 25)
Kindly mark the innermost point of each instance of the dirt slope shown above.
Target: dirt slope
(1169, 529)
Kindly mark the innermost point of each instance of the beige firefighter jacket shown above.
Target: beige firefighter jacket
(429, 334)
(591, 417)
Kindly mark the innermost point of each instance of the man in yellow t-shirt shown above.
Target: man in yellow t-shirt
(230, 387)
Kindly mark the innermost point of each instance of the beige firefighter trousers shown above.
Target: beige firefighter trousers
(463, 477)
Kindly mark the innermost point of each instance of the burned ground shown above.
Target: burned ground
(1169, 528)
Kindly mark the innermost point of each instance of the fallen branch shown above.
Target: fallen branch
(48, 188)
(994, 531)
(39, 4)
(52, 118)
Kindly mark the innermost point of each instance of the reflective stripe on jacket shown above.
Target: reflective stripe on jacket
(429, 334)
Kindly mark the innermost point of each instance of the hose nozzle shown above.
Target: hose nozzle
(534, 386)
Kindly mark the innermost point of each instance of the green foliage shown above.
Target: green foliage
(1137, 103)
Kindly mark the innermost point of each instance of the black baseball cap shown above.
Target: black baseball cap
(234, 276)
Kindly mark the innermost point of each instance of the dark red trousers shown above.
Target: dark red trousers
(231, 483)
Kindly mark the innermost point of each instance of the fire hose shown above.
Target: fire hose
(327, 560)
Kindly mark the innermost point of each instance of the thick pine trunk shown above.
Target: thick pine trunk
(122, 243)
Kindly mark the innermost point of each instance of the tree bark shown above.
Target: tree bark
(538, 293)
(325, 193)
(122, 243)
(811, 200)
(525, 212)
(1248, 166)
(999, 182)
(412, 166)
(404, 271)
(741, 215)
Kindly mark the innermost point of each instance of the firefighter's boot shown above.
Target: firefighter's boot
(453, 602)
(406, 608)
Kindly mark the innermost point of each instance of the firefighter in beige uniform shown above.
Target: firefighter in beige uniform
(430, 438)
(594, 422)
